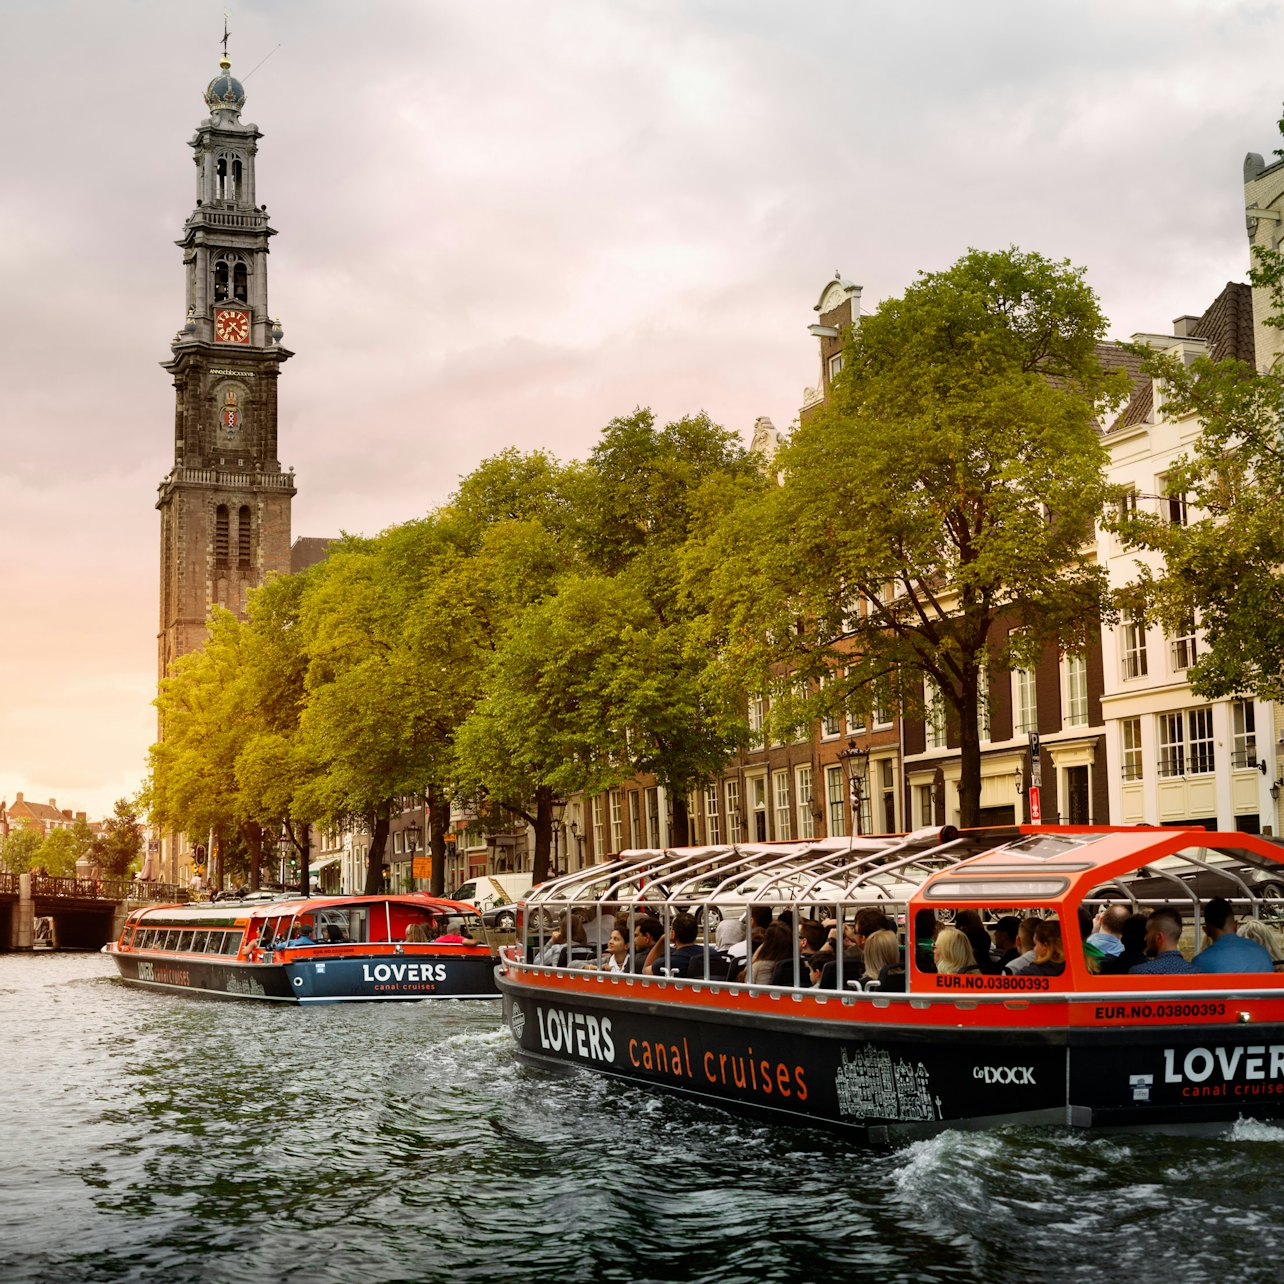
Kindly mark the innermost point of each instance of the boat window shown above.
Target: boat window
(992, 947)
(169, 939)
(996, 889)
(333, 927)
(185, 942)
(231, 942)
(198, 942)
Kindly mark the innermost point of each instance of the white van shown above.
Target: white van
(493, 894)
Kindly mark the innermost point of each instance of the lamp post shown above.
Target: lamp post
(285, 848)
(558, 807)
(412, 840)
(575, 834)
(855, 760)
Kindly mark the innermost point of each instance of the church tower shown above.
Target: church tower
(225, 505)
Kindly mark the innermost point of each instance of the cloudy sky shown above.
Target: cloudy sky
(506, 223)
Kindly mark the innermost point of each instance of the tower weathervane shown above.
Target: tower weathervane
(225, 32)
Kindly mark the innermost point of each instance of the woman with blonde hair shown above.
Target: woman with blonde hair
(1253, 929)
(953, 952)
(883, 967)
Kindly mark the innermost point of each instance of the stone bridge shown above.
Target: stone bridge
(41, 911)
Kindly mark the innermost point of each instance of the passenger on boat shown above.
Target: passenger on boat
(1005, 941)
(1024, 961)
(416, 933)
(1107, 930)
(730, 933)
(1228, 952)
(868, 921)
(924, 940)
(683, 950)
(1049, 956)
(1163, 945)
(568, 946)
(1133, 935)
(648, 939)
(777, 944)
(968, 922)
(953, 952)
(883, 967)
(1253, 929)
(615, 958)
(302, 933)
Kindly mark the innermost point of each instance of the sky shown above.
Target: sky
(506, 224)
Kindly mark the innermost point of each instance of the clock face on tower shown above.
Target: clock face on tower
(231, 325)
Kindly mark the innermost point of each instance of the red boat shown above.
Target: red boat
(319, 949)
(1079, 1046)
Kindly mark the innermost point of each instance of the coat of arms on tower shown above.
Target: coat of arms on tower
(230, 418)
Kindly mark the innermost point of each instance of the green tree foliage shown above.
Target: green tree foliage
(952, 479)
(121, 843)
(19, 848)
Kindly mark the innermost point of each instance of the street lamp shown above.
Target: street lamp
(558, 806)
(285, 849)
(412, 839)
(855, 760)
(575, 834)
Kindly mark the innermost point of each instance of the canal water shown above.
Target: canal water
(153, 1137)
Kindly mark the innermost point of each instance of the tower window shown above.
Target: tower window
(220, 281)
(239, 282)
(227, 178)
(220, 533)
(243, 535)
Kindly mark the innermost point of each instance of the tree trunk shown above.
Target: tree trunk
(438, 824)
(969, 750)
(252, 834)
(543, 832)
(681, 836)
(374, 859)
(305, 851)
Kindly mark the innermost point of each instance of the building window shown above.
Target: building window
(926, 803)
(653, 817)
(635, 818)
(1076, 679)
(599, 831)
(883, 712)
(243, 543)
(221, 533)
(617, 821)
(1025, 702)
(1184, 647)
(835, 364)
(806, 821)
(1174, 507)
(1132, 649)
(886, 780)
(756, 705)
(1244, 729)
(1131, 729)
(712, 828)
(934, 714)
(831, 725)
(837, 802)
(735, 822)
(982, 704)
(780, 790)
(1200, 749)
(1172, 745)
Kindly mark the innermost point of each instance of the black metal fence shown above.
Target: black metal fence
(102, 889)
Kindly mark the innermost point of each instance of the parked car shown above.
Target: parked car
(496, 896)
(1220, 873)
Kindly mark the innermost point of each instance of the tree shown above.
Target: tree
(121, 842)
(953, 478)
(19, 847)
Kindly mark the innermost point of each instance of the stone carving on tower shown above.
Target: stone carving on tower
(225, 504)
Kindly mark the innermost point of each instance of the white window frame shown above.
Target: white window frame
(1074, 671)
(1025, 701)
(780, 794)
(1201, 743)
(803, 785)
(835, 802)
(617, 820)
(735, 819)
(935, 732)
(1131, 758)
(712, 824)
(756, 716)
(834, 365)
(1243, 734)
(1132, 646)
(1183, 648)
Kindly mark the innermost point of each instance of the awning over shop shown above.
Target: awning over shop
(322, 862)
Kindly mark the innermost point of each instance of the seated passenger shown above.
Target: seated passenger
(615, 958)
(335, 935)
(924, 938)
(1228, 952)
(1024, 960)
(952, 952)
(1133, 935)
(1253, 929)
(1163, 945)
(1049, 958)
(1005, 941)
(968, 922)
(1107, 931)
(777, 944)
(686, 958)
(883, 967)
(302, 933)
(416, 933)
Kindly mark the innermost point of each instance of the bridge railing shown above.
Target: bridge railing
(8, 883)
(105, 889)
